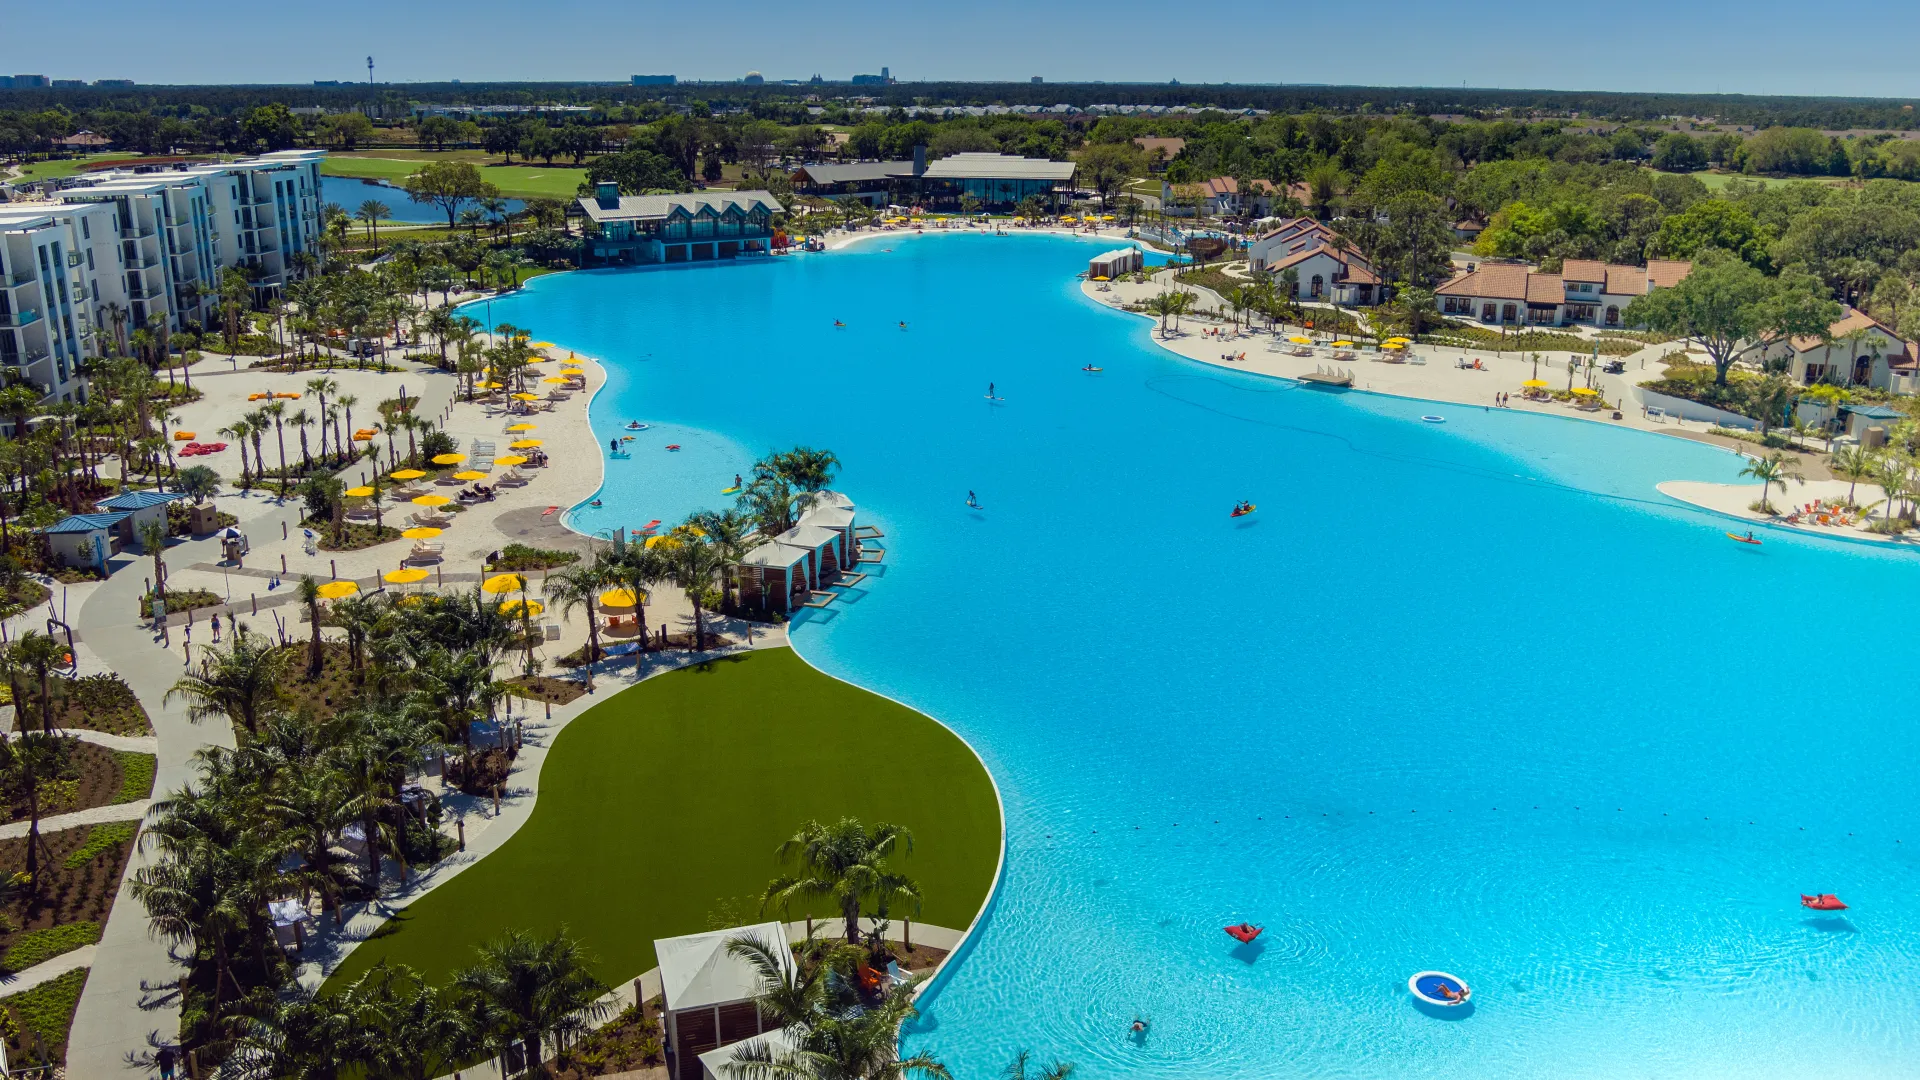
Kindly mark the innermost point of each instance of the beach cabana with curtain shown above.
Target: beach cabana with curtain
(709, 992)
(772, 575)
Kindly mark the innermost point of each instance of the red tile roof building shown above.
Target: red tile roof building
(1585, 291)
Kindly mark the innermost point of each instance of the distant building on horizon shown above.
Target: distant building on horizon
(885, 78)
(24, 82)
(754, 78)
(114, 84)
(1036, 80)
(654, 80)
(69, 84)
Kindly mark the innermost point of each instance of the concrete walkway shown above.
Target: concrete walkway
(47, 971)
(92, 815)
(130, 1002)
(485, 831)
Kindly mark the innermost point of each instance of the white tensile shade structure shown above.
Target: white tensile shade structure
(709, 992)
(713, 1063)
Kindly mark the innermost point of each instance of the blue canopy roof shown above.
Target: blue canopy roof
(139, 500)
(85, 523)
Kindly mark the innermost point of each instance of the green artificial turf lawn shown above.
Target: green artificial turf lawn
(514, 181)
(663, 805)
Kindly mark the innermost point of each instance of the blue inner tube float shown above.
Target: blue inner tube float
(1439, 988)
(1432, 419)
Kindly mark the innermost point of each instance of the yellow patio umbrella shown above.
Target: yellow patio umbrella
(404, 577)
(421, 532)
(526, 397)
(510, 459)
(1393, 344)
(358, 492)
(1298, 340)
(543, 345)
(556, 379)
(512, 607)
(1101, 277)
(1534, 384)
(1106, 217)
(490, 385)
(449, 459)
(334, 590)
(1586, 391)
(1401, 340)
(470, 474)
(521, 427)
(523, 444)
(407, 474)
(1343, 344)
(500, 583)
(618, 598)
(431, 500)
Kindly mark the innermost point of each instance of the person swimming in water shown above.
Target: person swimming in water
(613, 445)
(595, 502)
(903, 324)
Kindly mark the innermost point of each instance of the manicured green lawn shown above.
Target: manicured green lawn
(1717, 181)
(50, 170)
(663, 805)
(515, 181)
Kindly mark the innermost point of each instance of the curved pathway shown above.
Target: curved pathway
(130, 1003)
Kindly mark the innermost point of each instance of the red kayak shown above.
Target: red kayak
(1823, 902)
(1244, 511)
(1245, 932)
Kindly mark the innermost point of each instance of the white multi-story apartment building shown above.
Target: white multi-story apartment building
(119, 249)
(61, 278)
(179, 228)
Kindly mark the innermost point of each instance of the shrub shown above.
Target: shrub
(37, 946)
(46, 1012)
(136, 776)
(522, 557)
(100, 840)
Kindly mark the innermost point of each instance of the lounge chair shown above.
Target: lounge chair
(896, 974)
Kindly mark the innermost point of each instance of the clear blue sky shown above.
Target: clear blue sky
(1674, 45)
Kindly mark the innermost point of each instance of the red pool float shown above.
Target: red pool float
(1245, 932)
(1822, 902)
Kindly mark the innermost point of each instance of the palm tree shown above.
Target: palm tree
(1774, 469)
(243, 682)
(371, 212)
(1856, 463)
(846, 863)
(27, 762)
(153, 537)
(692, 563)
(346, 403)
(310, 596)
(300, 1033)
(525, 989)
(415, 1030)
(38, 654)
(1017, 1069)
(835, 1034)
(637, 570)
(237, 433)
(308, 812)
(320, 388)
(580, 586)
(730, 533)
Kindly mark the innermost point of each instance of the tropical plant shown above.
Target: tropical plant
(1772, 471)
(1856, 463)
(244, 682)
(525, 990)
(846, 863)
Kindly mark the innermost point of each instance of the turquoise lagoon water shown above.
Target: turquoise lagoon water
(1467, 695)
